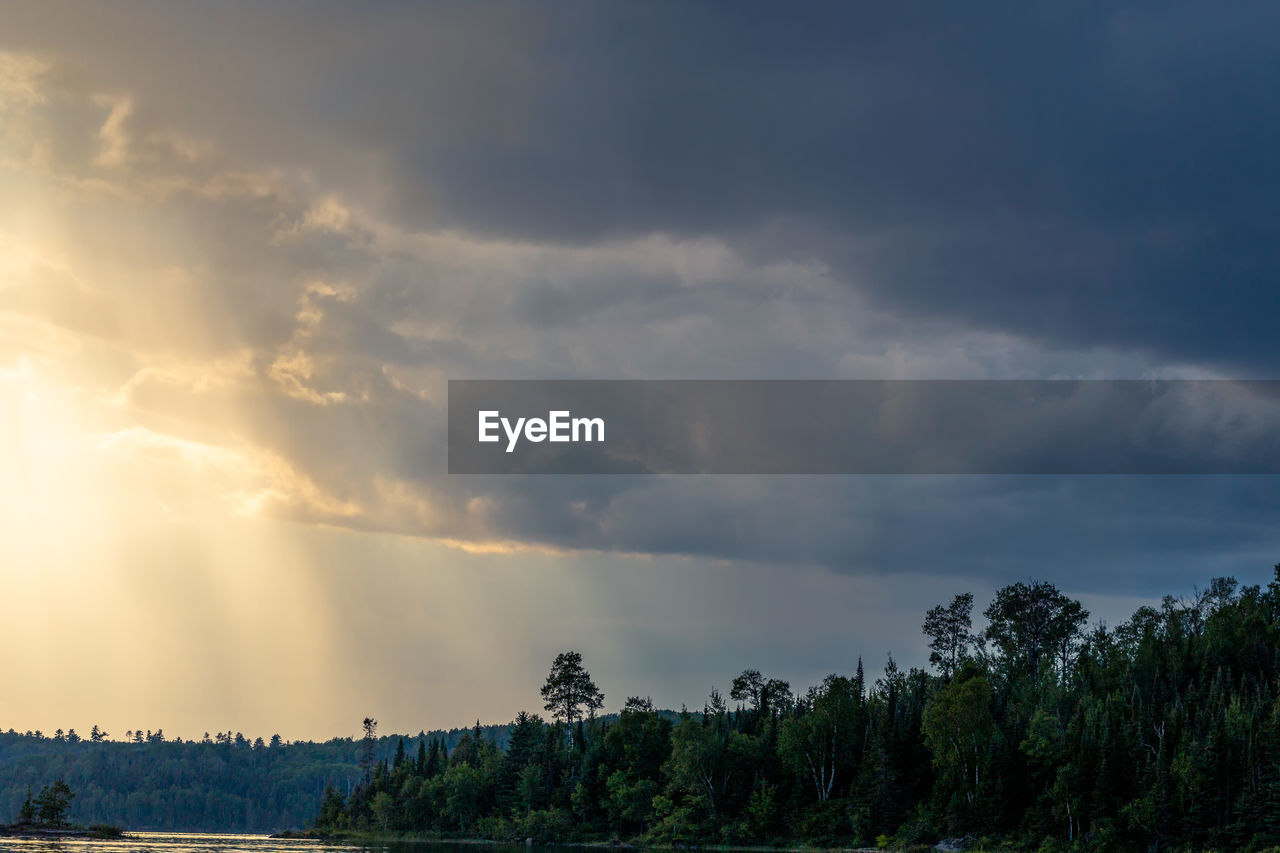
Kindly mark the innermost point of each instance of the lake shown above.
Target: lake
(169, 842)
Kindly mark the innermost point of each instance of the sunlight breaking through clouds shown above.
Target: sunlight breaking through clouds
(240, 258)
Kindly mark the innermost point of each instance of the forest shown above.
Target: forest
(1038, 732)
(220, 782)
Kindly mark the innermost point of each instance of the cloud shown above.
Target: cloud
(291, 242)
(241, 253)
(1098, 176)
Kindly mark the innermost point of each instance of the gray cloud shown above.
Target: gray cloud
(390, 199)
(1094, 176)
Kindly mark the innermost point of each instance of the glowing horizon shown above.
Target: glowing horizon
(242, 253)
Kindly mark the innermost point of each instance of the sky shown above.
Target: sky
(243, 247)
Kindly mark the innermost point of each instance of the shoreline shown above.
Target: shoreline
(37, 833)
(421, 838)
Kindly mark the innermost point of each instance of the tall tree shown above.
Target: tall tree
(569, 691)
(958, 727)
(948, 630)
(748, 687)
(368, 745)
(762, 694)
(1033, 623)
(817, 743)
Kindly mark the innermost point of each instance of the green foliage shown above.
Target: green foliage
(818, 744)
(48, 809)
(959, 727)
(1030, 624)
(52, 804)
(1037, 734)
(218, 784)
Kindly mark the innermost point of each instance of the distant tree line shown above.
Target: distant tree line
(223, 782)
(1038, 731)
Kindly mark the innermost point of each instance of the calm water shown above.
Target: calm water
(161, 842)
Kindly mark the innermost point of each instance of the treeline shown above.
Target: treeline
(225, 782)
(1039, 731)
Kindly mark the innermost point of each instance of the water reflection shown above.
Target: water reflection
(163, 842)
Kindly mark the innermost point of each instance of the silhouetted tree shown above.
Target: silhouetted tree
(948, 630)
(569, 690)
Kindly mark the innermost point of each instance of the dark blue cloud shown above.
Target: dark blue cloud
(1123, 534)
(1095, 175)
(1090, 174)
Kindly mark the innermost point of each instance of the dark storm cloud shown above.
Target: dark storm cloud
(1084, 174)
(1099, 174)
(714, 190)
(1122, 534)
